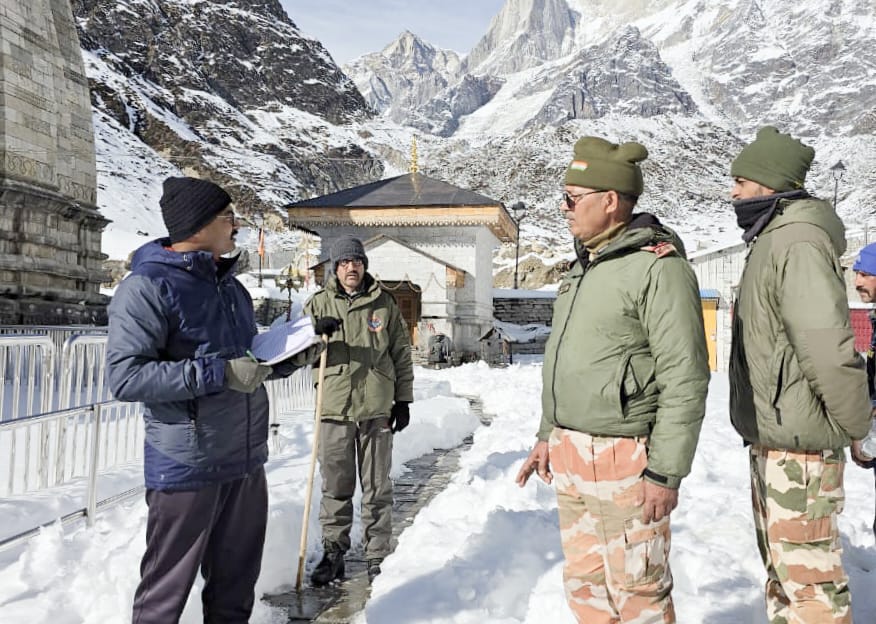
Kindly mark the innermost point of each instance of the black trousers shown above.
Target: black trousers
(221, 529)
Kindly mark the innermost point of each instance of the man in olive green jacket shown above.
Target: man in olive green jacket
(367, 391)
(798, 389)
(625, 380)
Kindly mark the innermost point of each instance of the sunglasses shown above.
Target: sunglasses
(231, 218)
(354, 262)
(572, 200)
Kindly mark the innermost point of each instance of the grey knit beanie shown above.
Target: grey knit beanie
(348, 248)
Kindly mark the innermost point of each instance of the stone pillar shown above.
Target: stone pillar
(50, 228)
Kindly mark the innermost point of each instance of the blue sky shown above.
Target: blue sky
(350, 28)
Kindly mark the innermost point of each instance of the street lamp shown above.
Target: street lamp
(259, 219)
(837, 172)
(291, 278)
(519, 211)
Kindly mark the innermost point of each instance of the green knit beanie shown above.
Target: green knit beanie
(605, 166)
(775, 160)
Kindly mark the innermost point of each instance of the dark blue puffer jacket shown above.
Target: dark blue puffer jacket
(173, 323)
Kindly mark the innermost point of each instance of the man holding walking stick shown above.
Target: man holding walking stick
(366, 394)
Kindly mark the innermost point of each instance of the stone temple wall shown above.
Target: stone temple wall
(50, 228)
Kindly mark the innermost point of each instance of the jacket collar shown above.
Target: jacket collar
(200, 263)
(644, 229)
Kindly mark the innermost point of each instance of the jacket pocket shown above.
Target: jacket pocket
(380, 391)
(791, 394)
(336, 389)
(636, 375)
(777, 372)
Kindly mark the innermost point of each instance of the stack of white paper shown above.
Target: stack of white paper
(283, 341)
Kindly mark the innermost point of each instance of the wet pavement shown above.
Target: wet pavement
(339, 603)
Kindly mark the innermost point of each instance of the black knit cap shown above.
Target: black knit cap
(188, 204)
(348, 248)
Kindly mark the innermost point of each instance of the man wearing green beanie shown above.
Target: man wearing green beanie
(798, 389)
(625, 380)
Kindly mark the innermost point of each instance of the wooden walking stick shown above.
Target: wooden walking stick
(302, 548)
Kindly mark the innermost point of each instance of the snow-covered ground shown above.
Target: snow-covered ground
(482, 551)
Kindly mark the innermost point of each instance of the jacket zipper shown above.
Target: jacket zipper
(248, 412)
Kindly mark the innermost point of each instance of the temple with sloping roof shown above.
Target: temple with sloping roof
(428, 242)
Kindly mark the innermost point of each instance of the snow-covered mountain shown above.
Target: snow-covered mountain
(690, 79)
(237, 90)
(404, 74)
(805, 65)
(232, 90)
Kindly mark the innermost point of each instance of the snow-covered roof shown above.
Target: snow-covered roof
(520, 334)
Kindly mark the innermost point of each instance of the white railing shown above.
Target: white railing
(87, 432)
(68, 444)
(27, 376)
(29, 470)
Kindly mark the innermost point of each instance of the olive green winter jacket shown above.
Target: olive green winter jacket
(369, 357)
(796, 381)
(627, 355)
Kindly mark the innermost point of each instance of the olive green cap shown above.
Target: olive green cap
(601, 165)
(775, 160)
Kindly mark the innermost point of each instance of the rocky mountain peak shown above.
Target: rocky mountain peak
(232, 91)
(405, 74)
(247, 52)
(524, 34)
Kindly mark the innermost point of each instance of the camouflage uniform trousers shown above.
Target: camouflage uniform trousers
(617, 568)
(797, 496)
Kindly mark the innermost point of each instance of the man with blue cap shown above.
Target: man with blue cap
(865, 285)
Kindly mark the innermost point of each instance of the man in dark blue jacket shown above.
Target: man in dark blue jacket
(179, 328)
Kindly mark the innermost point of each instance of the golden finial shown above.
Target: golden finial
(414, 165)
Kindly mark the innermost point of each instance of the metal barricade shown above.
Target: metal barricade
(78, 441)
(294, 393)
(27, 366)
(57, 333)
(83, 373)
(104, 424)
(291, 395)
(109, 435)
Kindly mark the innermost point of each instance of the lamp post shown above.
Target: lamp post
(519, 211)
(259, 219)
(837, 172)
(289, 279)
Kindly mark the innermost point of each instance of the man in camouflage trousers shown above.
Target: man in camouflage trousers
(798, 391)
(625, 380)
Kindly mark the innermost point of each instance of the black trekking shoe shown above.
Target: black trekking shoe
(329, 569)
(373, 568)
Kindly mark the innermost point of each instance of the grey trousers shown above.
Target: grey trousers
(219, 528)
(344, 447)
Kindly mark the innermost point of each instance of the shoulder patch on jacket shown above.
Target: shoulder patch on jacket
(661, 250)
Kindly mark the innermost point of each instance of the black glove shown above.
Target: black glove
(327, 325)
(399, 416)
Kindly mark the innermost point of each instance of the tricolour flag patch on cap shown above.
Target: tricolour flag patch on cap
(580, 165)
